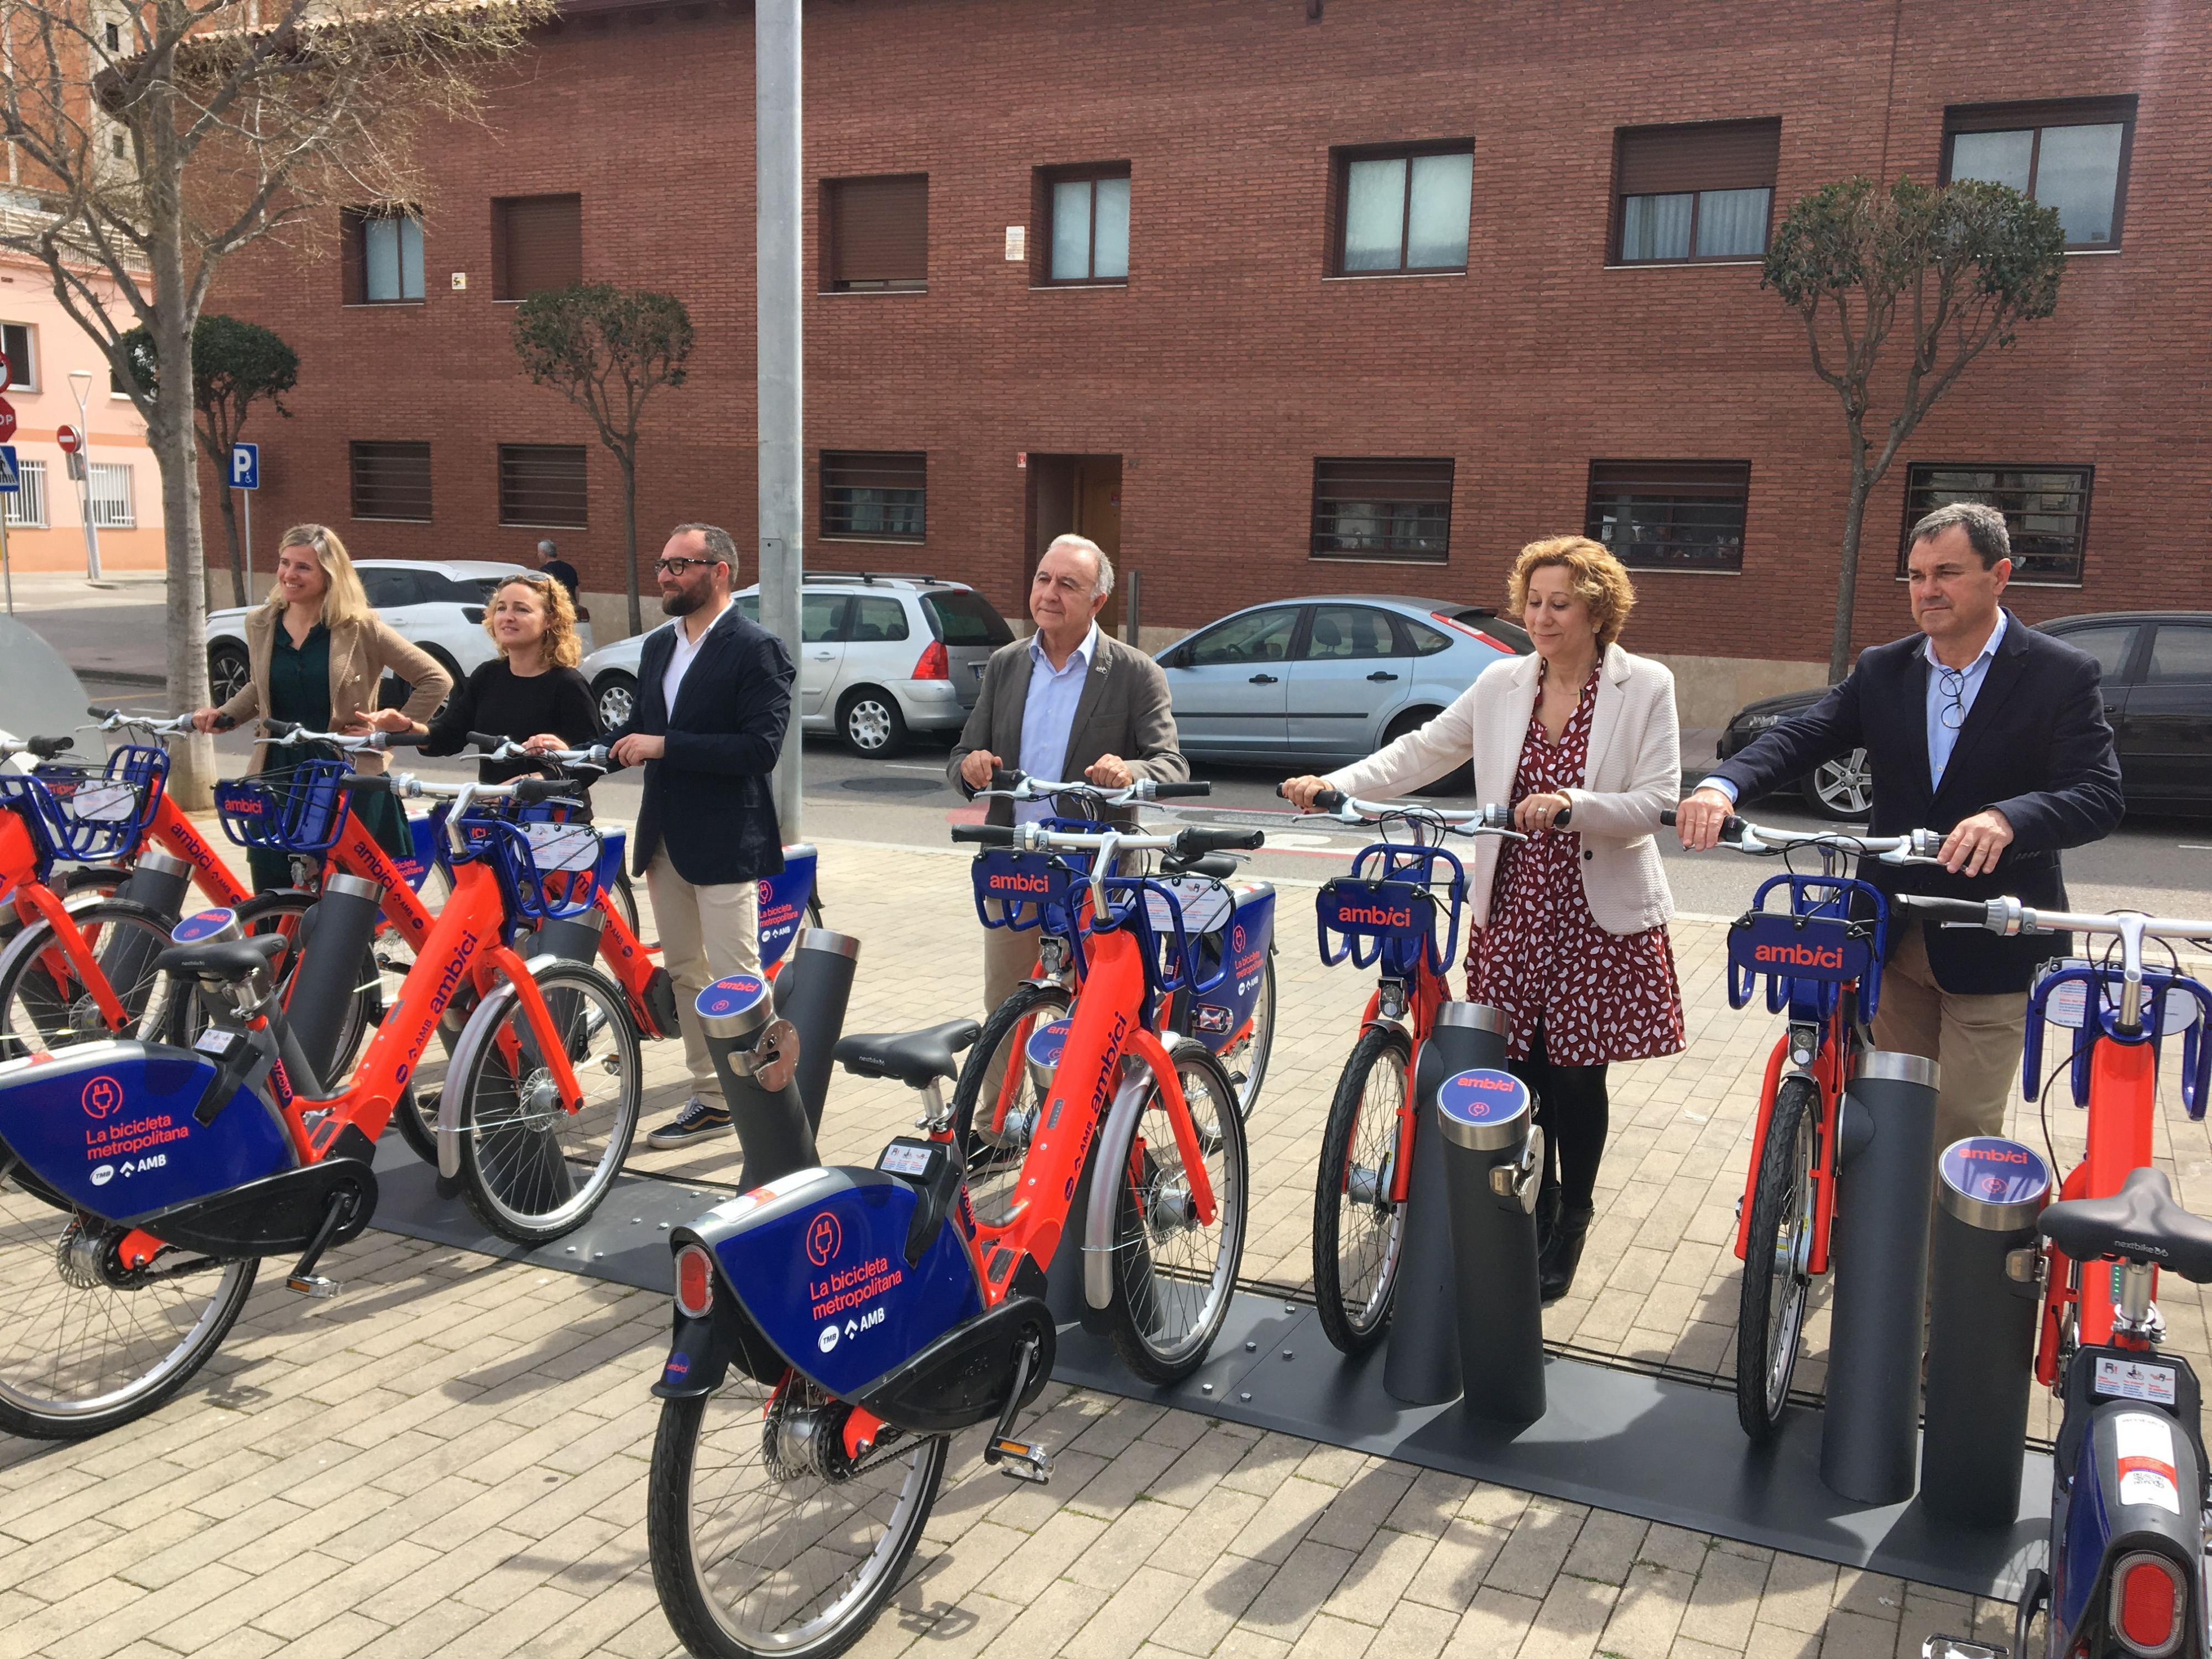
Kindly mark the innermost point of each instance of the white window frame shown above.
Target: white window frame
(30, 333)
(27, 507)
(103, 514)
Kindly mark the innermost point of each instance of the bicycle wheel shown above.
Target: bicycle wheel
(46, 1006)
(1775, 1282)
(996, 1070)
(764, 1540)
(531, 1169)
(1357, 1230)
(1173, 1276)
(1248, 1060)
(85, 1344)
(624, 899)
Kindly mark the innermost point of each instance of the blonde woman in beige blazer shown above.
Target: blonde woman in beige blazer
(315, 653)
(1569, 938)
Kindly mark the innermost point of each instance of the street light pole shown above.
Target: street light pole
(81, 383)
(778, 343)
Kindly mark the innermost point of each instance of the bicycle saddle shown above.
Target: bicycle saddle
(224, 960)
(915, 1058)
(2141, 1220)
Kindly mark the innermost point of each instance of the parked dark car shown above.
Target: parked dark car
(2157, 694)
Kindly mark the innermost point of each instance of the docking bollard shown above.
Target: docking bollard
(756, 1057)
(1869, 1435)
(158, 881)
(334, 938)
(1422, 1366)
(1982, 1300)
(573, 939)
(1493, 1163)
(812, 993)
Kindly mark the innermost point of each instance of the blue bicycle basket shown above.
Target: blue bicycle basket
(88, 813)
(1160, 912)
(1386, 910)
(1809, 951)
(551, 870)
(1003, 876)
(295, 809)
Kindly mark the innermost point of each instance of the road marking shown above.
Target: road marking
(904, 766)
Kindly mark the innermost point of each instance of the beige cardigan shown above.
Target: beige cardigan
(360, 653)
(1634, 772)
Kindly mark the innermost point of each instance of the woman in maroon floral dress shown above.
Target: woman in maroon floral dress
(1570, 934)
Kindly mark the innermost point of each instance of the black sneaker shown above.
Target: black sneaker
(695, 1122)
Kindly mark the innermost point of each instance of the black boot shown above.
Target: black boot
(1549, 1196)
(1555, 1268)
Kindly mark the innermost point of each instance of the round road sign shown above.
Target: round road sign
(68, 440)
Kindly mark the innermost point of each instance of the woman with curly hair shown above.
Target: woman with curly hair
(1570, 926)
(531, 691)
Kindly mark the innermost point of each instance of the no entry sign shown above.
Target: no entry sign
(69, 439)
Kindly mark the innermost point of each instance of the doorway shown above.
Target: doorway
(1079, 495)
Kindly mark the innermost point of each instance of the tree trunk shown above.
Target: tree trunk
(629, 539)
(1847, 582)
(228, 501)
(175, 444)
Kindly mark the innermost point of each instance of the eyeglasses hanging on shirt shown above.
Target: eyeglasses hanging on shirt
(1951, 686)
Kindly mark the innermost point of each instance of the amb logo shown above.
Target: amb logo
(102, 1096)
(824, 1238)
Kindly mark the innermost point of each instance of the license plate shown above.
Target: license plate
(979, 668)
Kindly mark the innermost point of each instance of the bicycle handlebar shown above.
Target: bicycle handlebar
(40, 747)
(506, 749)
(1731, 827)
(1020, 786)
(1493, 819)
(111, 719)
(1742, 836)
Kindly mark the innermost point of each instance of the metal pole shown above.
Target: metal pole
(778, 333)
(84, 451)
(7, 572)
(248, 555)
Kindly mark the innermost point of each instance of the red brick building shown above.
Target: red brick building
(1284, 349)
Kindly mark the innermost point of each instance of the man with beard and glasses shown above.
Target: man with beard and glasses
(714, 696)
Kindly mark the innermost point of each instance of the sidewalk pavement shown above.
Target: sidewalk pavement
(452, 1455)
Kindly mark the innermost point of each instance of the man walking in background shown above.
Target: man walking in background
(713, 698)
(558, 568)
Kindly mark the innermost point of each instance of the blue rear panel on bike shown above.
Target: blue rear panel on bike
(1219, 1016)
(817, 1261)
(112, 1126)
(783, 903)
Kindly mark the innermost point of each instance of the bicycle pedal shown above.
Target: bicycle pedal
(313, 1284)
(1958, 1647)
(1019, 1459)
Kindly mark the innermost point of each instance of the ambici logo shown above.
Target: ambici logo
(102, 1096)
(1798, 956)
(1372, 916)
(1007, 882)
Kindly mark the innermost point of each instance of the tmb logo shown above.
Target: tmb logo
(824, 1238)
(102, 1095)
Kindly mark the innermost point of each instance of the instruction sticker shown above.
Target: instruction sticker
(2125, 1380)
(2144, 1446)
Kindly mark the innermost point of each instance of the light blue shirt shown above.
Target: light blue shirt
(1048, 715)
(1942, 738)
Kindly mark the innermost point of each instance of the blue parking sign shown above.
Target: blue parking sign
(10, 478)
(245, 466)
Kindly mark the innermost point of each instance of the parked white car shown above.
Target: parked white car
(882, 656)
(436, 604)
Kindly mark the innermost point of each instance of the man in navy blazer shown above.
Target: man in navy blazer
(713, 697)
(1989, 732)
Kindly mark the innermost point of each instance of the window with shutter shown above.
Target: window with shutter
(392, 481)
(1399, 209)
(1396, 511)
(1670, 515)
(2072, 156)
(2047, 512)
(875, 234)
(23, 367)
(542, 484)
(537, 245)
(1700, 191)
(874, 495)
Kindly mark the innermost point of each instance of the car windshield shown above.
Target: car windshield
(964, 617)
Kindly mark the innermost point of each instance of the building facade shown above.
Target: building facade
(1286, 296)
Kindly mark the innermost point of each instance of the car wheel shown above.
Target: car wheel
(870, 722)
(1842, 789)
(616, 695)
(227, 672)
(1459, 781)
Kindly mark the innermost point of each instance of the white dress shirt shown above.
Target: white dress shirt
(687, 650)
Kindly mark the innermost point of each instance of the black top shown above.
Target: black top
(563, 572)
(2035, 746)
(499, 702)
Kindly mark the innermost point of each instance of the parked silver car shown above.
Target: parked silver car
(1327, 679)
(881, 656)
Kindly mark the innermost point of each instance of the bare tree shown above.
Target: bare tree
(164, 135)
(1957, 271)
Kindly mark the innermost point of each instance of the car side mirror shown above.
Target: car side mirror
(1178, 658)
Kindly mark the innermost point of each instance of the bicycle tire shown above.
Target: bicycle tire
(1770, 1310)
(41, 1013)
(521, 1151)
(84, 1350)
(416, 1117)
(814, 910)
(994, 1167)
(1162, 1332)
(623, 897)
(681, 1536)
(1261, 1044)
(1355, 1323)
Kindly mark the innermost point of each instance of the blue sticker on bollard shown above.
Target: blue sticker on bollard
(1992, 1170)
(733, 995)
(203, 925)
(1046, 1044)
(1483, 1097)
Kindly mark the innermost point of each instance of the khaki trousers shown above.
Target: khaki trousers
(706, 935)
(1975, 1040)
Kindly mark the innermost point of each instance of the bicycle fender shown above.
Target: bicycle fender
(2138, 1487)
(1110, 1155)
(483, 1020)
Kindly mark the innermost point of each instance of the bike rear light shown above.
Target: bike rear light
(2149, 1605)
(694, 1282)
(935, 665)
(1471, 631)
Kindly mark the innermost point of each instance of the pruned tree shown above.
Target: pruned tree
(234, 365)
(1954, 271)
(162, 136)
(605, 348)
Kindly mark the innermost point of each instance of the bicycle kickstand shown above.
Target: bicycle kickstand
(1018, 1458)
(304, 1278)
